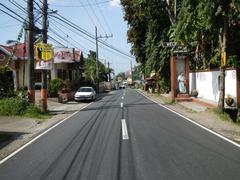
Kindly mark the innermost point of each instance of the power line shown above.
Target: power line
(82, 47)
(11, 12)
(98, 20)
(11, 15)
(104, 19)
(64, 39)
(76, 27)
(83, 5)
(18, 6)
(72, 30)
(90, 17)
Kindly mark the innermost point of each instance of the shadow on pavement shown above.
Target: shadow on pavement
(7, 137)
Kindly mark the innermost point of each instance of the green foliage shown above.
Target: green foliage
(6, 83)
(148, 27)
(202, 21)
(137, 74)
(13, 106)
(55, 85)
(35, 112)
(90, 68)
(122, 75)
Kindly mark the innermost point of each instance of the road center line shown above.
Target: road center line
(124, 130)
(121, 104)
(122, 97)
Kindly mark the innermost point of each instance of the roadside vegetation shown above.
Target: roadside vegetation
(230, 115)
(15, 103)
(16, 106)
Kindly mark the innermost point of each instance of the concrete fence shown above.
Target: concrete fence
(207, 84)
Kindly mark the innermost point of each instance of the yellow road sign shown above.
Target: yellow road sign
(44, 52)
(223, 58)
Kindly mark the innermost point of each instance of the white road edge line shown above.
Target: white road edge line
(40, 135)
(203, 127)
(121, 104)
(124, 130)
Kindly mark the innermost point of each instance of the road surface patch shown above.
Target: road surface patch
(199, 125)
(40, 135)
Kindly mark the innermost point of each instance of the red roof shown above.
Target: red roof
(20, 50)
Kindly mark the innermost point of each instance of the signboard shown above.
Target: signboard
(45, 65)
(223, 58)
(169, 44)
(44, 52)
(44, 56)
(66, 55)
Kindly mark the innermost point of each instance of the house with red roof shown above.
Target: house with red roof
(67, 64)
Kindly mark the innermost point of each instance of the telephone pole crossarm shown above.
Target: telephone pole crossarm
(97, 61)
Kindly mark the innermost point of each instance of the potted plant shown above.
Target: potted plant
(229, 100)
(194, 93)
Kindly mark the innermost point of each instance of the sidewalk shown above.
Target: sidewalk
(20, 130)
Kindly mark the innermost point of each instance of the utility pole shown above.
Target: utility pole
(44, 72)
(131, 71)
(97, 61)
(97, 65)
(223, 44)
(31, 83)
(109, 72)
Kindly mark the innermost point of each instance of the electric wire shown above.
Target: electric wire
(73, 25)
(59, 29)
(98, 20)
(104, 19)
(83, 5)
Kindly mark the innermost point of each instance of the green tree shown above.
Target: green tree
(90, 68)
(121, 75)
(148, 27)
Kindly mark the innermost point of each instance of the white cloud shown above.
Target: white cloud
(115, 3)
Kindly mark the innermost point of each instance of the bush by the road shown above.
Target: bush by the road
(55, 85)
(20, 107)
(13, 106)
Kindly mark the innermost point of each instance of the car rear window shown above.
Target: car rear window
(85, 90)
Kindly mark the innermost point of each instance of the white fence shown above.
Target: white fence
(207, 84)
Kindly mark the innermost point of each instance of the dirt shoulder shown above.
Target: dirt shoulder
(208, 118)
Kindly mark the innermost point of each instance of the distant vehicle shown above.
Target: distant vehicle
(122, 86)
(85, 93)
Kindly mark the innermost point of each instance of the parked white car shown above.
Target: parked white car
(85, 93)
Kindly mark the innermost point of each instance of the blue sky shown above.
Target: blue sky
(107, 16)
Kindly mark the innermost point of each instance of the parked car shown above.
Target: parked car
(85, 93)
(122, 86)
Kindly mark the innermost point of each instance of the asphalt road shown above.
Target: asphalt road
(125, 136)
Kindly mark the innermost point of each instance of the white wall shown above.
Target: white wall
(23, 74)
(207, 84)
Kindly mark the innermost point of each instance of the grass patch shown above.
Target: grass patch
(230, 115)
(20, 107)
(36, 113)
(167, 100)
(13, 106)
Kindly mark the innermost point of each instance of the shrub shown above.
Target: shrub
(55, 85)
(35, 112)
(13, 106)
(6, 83)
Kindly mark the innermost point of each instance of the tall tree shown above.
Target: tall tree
(148, 27)
(90, 68)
